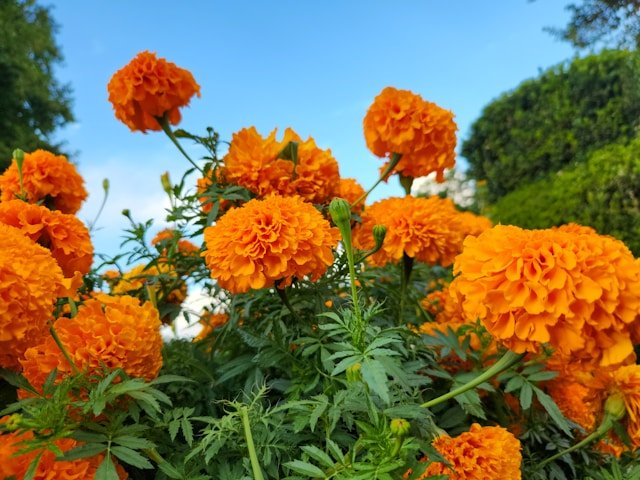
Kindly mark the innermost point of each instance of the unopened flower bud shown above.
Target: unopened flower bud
(379, 232)
(105, 185)
(166, 182)
(353, 373)
(13, 422)
(340, 211)
(399, 427)
(18, 156)
(614, 406)
(126, 212)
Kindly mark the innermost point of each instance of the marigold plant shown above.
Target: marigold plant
(267, 241)
(259, 165)
(210, 322)
(28, 291)
(427, 229)
(116, 332)
(401, 122)
(148, 88)
(64, 235)
(46, 178)
(578, 291)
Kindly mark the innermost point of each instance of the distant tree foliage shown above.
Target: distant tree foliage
(555, 121)
(32, 102)
(614, 23)
(603, 192)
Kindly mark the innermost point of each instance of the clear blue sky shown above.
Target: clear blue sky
(313, 66)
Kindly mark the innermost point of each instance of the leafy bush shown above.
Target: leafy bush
(555, 121)
(602, 193)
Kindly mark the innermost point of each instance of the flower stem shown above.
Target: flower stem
(282, 293)
(255, 465)
(62, 348)
(166, 128)
(407, 268)
(105, 188)
(508, 360)
(395, 158)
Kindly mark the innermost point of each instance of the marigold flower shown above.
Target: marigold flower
(473, 224)
(116, 332)
(482, 453)
(47, 178)
(12, 466)
(148, 88)
(203, 184)
(268, 241)
(427, 229)
(174, 287)
(626, 381)
(253, 163)
(28, 292)
(210, 321)
(576, 290)
(400, 121)
(184, 247)
(351, 190)
(576, 401)
(64, 235)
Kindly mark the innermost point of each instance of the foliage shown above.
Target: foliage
(603, 192)
(33, 103)
(609, 22)
(555, 121)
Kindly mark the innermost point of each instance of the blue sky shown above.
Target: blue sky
(313, 66)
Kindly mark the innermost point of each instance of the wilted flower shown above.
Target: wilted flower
(257, 164)
(148, 88)
(112, 332)
(28, 291)
(401, 122)
(64, 235)
(47, 178)
(427, 229)
(268, 241)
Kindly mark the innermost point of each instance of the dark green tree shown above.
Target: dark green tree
(555, 121)
(32, 102)
(614, 23)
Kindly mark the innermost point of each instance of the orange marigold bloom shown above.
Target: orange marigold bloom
(400, 121)
(576, 290)
(482, 453)
(12, 466)
(64, 235)
(149, 87)
(116, 332)
(576, 401)
(203, 184)
(473, 224)
(253, 163)
(210, 321)
(351, 190)
(268, 241)
(427, 229)
(47, 178)
(29, 282)
(626, 380)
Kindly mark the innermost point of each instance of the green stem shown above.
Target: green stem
(407, 268)
(603, 428)
(255, 465)
(166, 128)
(346, 241)
(104, 202)
(508, 360)
(395, 158)
(282, 293)
(62, 348)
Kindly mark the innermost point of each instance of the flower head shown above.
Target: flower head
(148, 88)
(351, 190)
(268, 241)
(427, 229)
(482, 453)
(64, 235)
(28, 292)
(116, 332)
(256, 163)
(168, 236)
(572, 288)
(401, 122)
(47, 178)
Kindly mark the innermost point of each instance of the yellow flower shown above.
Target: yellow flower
(268, 241)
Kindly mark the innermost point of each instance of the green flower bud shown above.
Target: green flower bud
(166, 182)
(399, 427)
(126, 212)
(379, 232)
(353, 373)
(105, 185)
(340, 211)
(614, 406)
(18, 156)
(13, 422)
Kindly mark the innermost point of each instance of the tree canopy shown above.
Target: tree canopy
(33, 103)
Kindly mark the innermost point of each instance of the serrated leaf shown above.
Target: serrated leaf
(136, 443)
(187, 430)
(335, 450)
(375, 376)
(526, 395)
(171, 471)
(344, 364)
(31, 471)
(318, 455)
(514, 383)
(86, 450)
(552, 409)
(88, 437)
(542, 376)
(305, 468)
(131, 457)
(106, 470)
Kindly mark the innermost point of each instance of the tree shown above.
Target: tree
(555, 121)
(32, 102)
(614, 23)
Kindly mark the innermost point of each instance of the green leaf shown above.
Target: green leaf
(187, 430)
(305, 468)
(552, 409)
(107, 470)
(86, 450)
(318, 455)
(136, 443)
(127, 455)
(31, 471)
(374, 374)
(526, 394)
